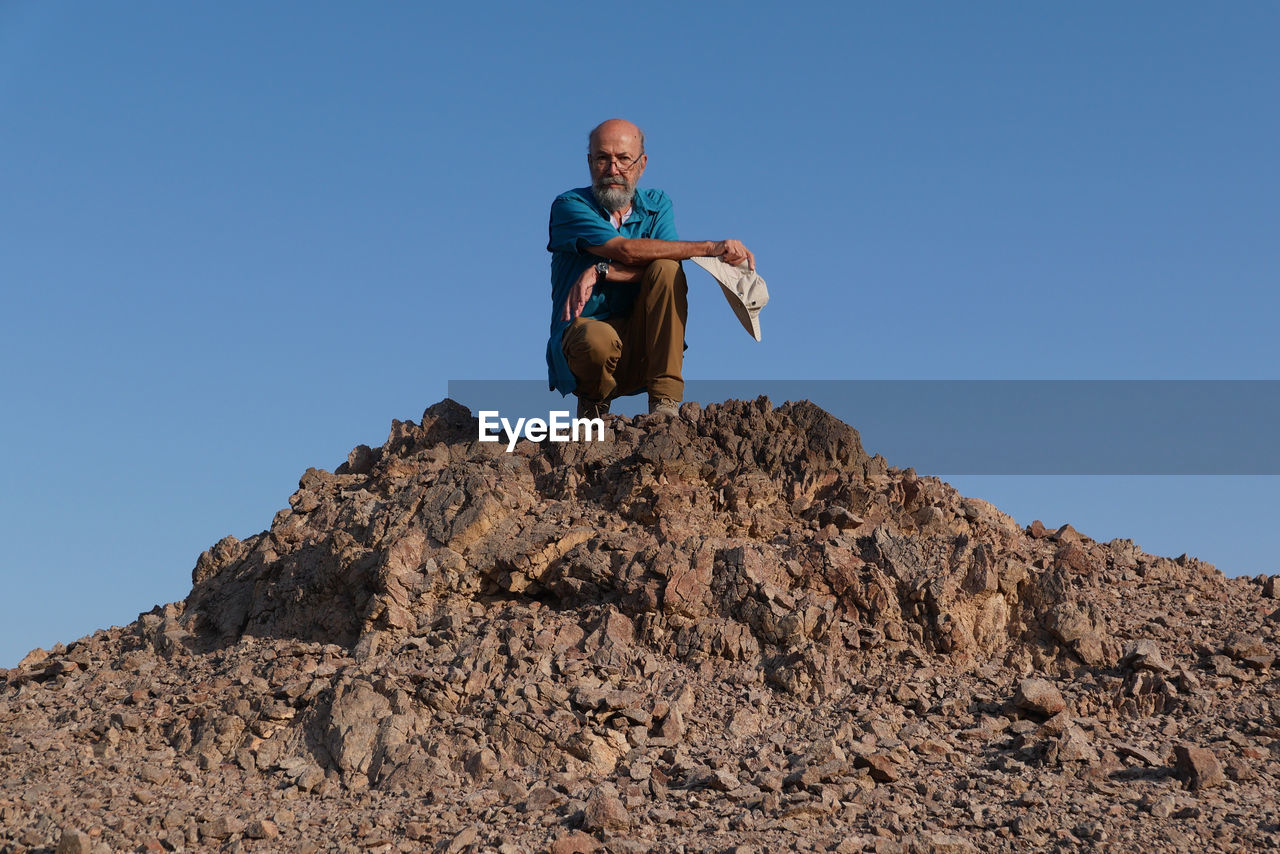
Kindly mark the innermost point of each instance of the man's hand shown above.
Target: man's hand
(579, 294)
(734, 253)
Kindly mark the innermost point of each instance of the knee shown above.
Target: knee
(591, 341)
(665, 273)
(663, 268)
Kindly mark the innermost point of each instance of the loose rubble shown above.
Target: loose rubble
(733, 631)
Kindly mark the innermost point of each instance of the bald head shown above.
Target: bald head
(616, 132)
(615, 153)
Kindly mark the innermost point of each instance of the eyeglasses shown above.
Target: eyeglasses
(625, 162)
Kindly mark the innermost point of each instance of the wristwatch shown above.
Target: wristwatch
(602, 270)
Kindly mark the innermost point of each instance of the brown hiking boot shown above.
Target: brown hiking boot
(592, 408)
(664, 406)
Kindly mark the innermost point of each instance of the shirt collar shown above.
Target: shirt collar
(638, 202)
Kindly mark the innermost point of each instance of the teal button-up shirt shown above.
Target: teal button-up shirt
(578, 221)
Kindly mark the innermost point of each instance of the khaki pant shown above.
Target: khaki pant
(644, 350)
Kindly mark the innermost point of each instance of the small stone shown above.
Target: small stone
(1271, 587)
(1198, 767)
(1056, 726)
(543, 798)
(1065, 534)
(628, 846)
(1146, 757)
(154, 774)
(510, 790)
(467, 837)
(1074, 746)
(1040, 697)
(672, 726)
(945, 843)
(882, 766)
(770, 781)
(721, 779)
(1241, 646)
(605, 811)
(1164, 807)
(221, 827)
(1144, 654)
(310, 777)
(574, 842)
(1074, 557)
(482, 763)
(932, 747)
(74, 842)
(262, 829)
(1238, 769)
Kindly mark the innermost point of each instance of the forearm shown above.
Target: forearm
(639, 251)
(620, 273)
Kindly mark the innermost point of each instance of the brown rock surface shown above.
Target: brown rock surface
(733, 630)
(1040, 697)
(1199, 767)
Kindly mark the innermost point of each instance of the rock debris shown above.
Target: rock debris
(735, 631)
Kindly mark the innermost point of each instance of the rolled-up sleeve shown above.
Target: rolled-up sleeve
(575, 226)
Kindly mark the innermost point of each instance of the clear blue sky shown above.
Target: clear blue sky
(237, 239)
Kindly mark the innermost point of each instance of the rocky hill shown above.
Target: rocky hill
(735, 631)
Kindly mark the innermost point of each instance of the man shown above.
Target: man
(618, 294)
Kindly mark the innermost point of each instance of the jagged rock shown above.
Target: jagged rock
(1074, 746)
(883, 768)
(353, 725)
(1145, 654)
(1075, 627)
(1147, 757)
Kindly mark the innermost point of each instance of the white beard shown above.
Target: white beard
(613, 199)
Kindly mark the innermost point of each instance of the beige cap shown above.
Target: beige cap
(743, 288)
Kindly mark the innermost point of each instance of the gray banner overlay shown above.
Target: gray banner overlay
(1041, 427)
